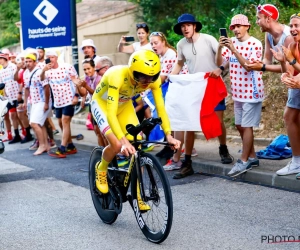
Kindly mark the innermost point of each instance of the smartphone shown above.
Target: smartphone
(223, 32)
(129, 38)
(47, 60)
(18, 59)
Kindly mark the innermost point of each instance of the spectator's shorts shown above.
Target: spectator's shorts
(12, 107)
(67, 111)
(37, 114)
(293, 99)
(247, 114)
(221, 106)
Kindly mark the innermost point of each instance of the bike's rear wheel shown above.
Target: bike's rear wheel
(108, 214)
(156, 223)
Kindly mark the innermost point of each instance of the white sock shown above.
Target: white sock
(245, 162)
(296, 160)
(251, 159)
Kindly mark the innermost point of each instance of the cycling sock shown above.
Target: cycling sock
(24, 131)
(187, 157)
(103, 166)
(28, 131)
(296, 159)
(17, 132)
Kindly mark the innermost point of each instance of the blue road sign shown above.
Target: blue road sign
(45, 23)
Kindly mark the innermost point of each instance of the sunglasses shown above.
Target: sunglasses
(86, 60)
(295, 15)
(40, 47)
(98, 70)
(261, 8)
(156, 33)
(141, 25)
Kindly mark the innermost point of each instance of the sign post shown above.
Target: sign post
(74, 35)
(45, 23)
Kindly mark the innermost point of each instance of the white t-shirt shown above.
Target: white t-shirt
(167, 62)
(62, 87)
(42, 64)
(137, 46)
(205, 49)
(245, 86)
(36, 85)
(7, 77)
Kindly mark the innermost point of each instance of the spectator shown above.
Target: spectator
(89, 49)
(290, 64)
(21, 110)
(246, 86)
(89, 84)
(198, 51)
(60, 77)
(277, 34)
(168, 57)
(142, 30)
(11, 92)
(40, 99)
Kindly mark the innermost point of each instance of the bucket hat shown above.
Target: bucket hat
(239, 19)
(186, 18)
(88, 42)
(5, 56)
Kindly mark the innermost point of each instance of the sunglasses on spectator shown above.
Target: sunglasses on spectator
(156, 33)
(97, 70)
(86, 60)
(261, 8)
(141, 25)
(295, 15)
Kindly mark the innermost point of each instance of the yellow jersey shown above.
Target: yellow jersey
(117, 89)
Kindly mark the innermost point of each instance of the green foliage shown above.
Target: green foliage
(9, 15)
(213, 14)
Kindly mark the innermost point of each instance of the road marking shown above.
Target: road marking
(9, 167)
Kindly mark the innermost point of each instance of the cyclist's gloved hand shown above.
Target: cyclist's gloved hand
(127, 149)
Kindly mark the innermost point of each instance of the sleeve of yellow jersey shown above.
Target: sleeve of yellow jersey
(115, 80)
(160, 106)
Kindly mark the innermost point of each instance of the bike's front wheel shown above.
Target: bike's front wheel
(103, 203)
(155, 223)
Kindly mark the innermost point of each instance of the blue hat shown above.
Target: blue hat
(186, 18)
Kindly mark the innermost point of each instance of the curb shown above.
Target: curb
(199, 135)
(255, 176)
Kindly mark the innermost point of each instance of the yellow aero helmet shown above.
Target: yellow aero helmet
(144, 62)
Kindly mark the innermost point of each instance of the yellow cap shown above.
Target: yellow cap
(31, 56)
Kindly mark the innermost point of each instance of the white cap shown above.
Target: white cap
(31, 51)
(88, 42)
(51, 53)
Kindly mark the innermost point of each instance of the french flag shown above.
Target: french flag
(191, 100)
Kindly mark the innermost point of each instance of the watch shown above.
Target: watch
(293, 62)
(263, 68)
(222, 68)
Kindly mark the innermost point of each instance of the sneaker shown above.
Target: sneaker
(52, 143)
(55, 132)
(194, 153)
(71, 151)
(27, 139)
(186, 170)
(166, 152)
(101, 180)
(298, 176)
(35, 145)
(226, 158)
(172, 165)
(147, 148)
(238, 168)
(254, 162)
(290, 168)
(16, 139)
(57, 153)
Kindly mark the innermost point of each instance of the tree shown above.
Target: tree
(9, 15)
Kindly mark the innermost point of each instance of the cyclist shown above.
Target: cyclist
(112, 108)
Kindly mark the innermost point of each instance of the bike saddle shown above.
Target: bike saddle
(2, 86)
(146, 125)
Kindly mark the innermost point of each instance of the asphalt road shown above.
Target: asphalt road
(45, 203)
